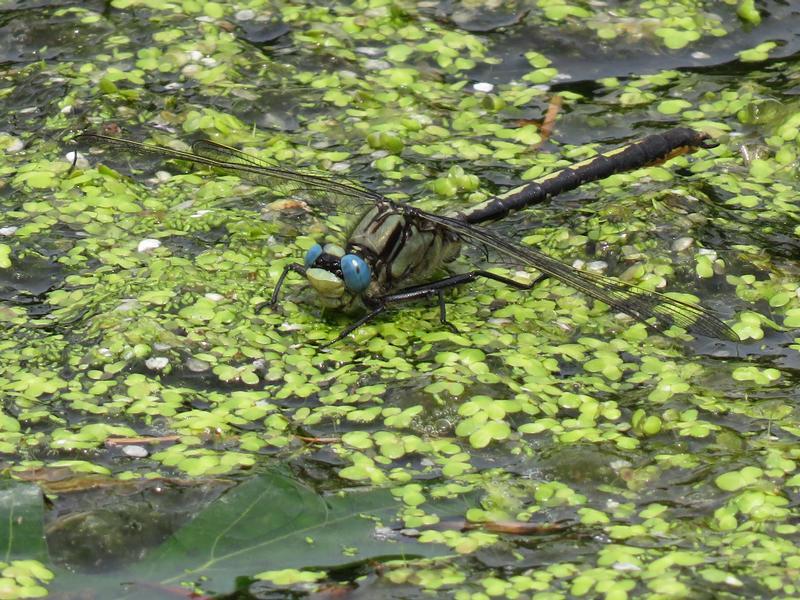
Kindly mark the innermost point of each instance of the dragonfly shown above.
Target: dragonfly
(395, 250)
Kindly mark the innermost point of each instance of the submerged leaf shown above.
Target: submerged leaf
(270, 523)
(21, 521)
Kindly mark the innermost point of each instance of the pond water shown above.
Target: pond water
(163, 433)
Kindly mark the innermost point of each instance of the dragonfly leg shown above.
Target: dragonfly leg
(427, 290)
(443, 313)
(273, 301)
(507, 280)
(353, 326)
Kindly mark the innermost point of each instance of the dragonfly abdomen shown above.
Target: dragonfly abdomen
(650, 150)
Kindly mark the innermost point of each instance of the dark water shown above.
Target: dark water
(549, 447)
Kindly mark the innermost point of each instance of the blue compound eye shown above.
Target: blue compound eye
(355, 272)
(312, 255)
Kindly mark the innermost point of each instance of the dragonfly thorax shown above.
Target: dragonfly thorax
(388, 246)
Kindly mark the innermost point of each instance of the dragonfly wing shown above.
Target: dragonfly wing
(637, 302)
(129, 146)
(266, 172)
(333, 194)
(227, 154)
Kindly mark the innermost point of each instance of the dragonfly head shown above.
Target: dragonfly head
(337, 277)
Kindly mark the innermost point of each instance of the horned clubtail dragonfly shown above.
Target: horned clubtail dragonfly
(395, 248)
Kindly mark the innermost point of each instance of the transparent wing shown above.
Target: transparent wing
(316, 186)
(268, 173)
(637, 302)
